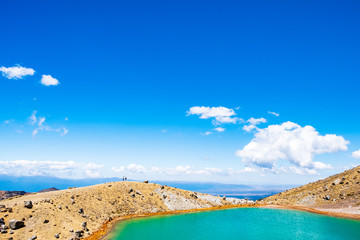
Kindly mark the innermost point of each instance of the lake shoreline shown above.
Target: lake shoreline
(108, 227)
(315, 210)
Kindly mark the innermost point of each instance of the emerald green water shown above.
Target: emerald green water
(240, 223)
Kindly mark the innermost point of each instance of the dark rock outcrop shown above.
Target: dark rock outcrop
(15, 224)
(10, 194)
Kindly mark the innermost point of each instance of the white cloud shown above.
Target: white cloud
(16, 72)
(356, 154)
(187, 170)
(301, 170)
(91, 170)
(178, 170)
(290, 142)
(49, 168)
(48, 80)
(134, 168)
(256, 121)
(219, 129)
(34, 168)
(93, 166)
(118, 169)
(220, 114)
(232, 171)
(249, 128)
(274, 113)
(92, 174)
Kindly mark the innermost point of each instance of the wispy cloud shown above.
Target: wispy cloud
(39, 122)
(206, 133)
(274, 113)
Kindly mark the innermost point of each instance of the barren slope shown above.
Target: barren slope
(337, 193)
(64, 212)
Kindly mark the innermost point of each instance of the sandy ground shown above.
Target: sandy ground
(352, 213)
(64, 212)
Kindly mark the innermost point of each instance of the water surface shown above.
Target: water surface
(239, 223)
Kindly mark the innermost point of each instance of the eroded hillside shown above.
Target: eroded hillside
(79, 212)
(337, 191)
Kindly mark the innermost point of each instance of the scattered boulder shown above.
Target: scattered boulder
(194, 195)
(84, 225)
(57, 236)
(131, 190)
(2, 206)
(15, 224)
(28, 204)
(336, 182)
(146, 181)
(327, 197)
(46, 221)
(162, 187)
(81, 211)
(33, 237)
(79, 233)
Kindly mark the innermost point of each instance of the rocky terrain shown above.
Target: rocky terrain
(338, 193)
(10, 194)
(79, 212)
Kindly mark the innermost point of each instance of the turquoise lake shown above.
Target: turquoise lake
(239, 223)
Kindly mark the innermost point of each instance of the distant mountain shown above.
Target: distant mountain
(38, 183)
(49, 190)
(252, 192)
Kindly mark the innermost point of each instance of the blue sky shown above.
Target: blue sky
(129, 72)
